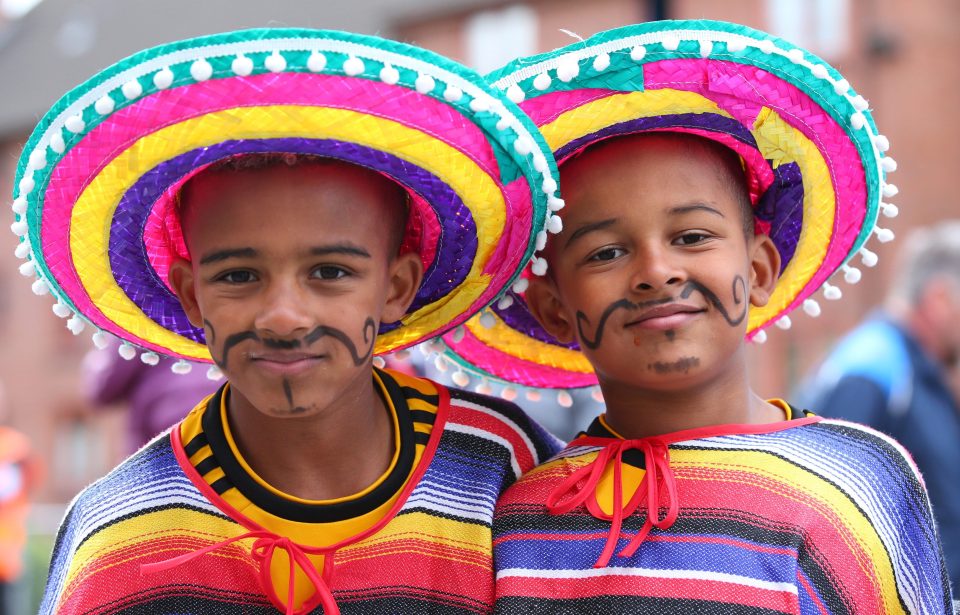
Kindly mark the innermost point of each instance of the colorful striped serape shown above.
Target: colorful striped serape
(428, 552)
(801, 516)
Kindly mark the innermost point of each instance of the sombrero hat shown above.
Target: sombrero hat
(96, 187)
(815, 164)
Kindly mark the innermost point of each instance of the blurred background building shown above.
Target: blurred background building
(900, 55)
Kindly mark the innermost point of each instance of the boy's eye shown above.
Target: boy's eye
(330, 272)
(237, 277)
(607, 254)
(691, 238)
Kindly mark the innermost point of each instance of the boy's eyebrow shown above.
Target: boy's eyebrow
(589, 228)
(684, 209)
(222, 255)
(339, 248)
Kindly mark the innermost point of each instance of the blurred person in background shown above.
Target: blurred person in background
(17, 477)
(155, 396)
(898, 372)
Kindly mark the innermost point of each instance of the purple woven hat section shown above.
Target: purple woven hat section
(781, 205)
(702, 121)
(456, 246)
(518, 317)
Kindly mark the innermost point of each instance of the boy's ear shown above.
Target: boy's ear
(406, 273)
(182, 280)
(764, 269)
(545, 305)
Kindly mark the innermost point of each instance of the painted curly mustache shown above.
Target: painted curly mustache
(369, 338)
(739, 299)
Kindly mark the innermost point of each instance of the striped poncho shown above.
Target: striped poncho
(801, 516)
(164, 532)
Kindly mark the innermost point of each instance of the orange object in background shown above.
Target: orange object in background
(16, 478)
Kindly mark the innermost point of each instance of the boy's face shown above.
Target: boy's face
(653, 273)
(292, 270)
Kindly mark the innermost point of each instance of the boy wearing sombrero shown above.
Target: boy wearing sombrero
(286, 204)
(715, 177)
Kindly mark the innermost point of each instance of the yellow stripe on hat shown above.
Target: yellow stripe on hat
(93, 212)
(508, 340)
(608, 111)
(781, 143)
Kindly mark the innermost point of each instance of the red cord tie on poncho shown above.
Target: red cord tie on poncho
(263, 549)
(658, 489)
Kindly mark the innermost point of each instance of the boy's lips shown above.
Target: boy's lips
(664, 317)
(285, 362)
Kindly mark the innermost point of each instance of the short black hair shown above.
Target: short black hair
(268, 160)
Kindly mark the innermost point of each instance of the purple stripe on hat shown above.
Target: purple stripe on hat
(456, 247)
(782, 206)
(519, 318)
(703, 121)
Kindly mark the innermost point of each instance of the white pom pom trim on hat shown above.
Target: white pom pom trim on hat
(316, 63)
(22, 250)
(851, 275)
(515, 94)
(201, 70)
(104, 105)
(353, 66)
(601, 62)
(889, 210)
(425, 84)
(487, 319)
(163, 78)
(460, 378)
(242, 66)
(131, 90)
(884, 235)
(76, 325)
(39, 287)
(100, 339)
(275, 62)
(61, 310)
(831, 292)
(389, 74)
(181, 367)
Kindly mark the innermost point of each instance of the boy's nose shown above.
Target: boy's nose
(654, 270)
(284, 311)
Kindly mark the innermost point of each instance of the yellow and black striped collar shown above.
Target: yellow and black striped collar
(224, 469)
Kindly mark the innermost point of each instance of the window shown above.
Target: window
(497, 36)
(822, 26)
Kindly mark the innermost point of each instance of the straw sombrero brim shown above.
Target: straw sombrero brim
(97, 184)
(815, 163)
